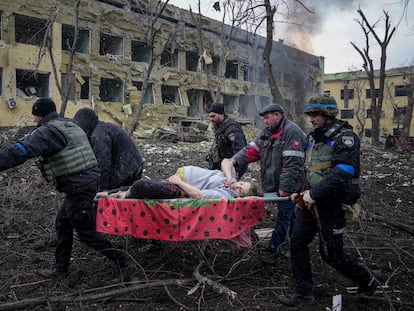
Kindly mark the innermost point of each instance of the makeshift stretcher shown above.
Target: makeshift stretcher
(178, 220)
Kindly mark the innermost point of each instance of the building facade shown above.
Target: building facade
(195, 63)
(353, 95)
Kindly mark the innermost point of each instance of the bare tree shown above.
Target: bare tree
(48, 46)
(376, 102)
(154, 40)
(359, 87)
(410, 104)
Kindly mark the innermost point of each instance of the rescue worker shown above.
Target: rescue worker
(332, 172)
(280, 148)
(229, 139)
(119, 160)
(67, 160)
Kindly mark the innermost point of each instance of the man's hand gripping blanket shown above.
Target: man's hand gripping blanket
(181, 219)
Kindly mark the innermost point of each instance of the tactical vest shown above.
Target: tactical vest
(76, 157)
(219, 145)
(318, 158)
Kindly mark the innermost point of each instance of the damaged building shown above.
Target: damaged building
(101, 54)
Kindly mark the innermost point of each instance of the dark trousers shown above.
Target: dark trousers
(333, 226)
(283, 225)
(78, 212)
(154, 189)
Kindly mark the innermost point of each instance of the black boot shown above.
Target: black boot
(127, 268)
(53, 274)
(377, 277)
(293, 299)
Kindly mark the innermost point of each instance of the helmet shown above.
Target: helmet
(324, 104)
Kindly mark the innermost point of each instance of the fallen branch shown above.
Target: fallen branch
(80, 297)
(219, 288)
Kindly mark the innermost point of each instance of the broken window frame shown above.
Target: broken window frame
(29, 30)
(191, 61)
(83, 43)
(85, 88)
(111, 90)
(26, 79)
(169, 58)
(77, 92)
(230, 103)
(351, 94)
(170, 91)
(199, 101)
(149, 94)
(232, 69)
(140, 51)
(111, 45)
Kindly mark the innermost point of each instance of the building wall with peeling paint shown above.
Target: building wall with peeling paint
(109, 82)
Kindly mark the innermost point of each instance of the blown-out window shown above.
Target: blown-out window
(32, 84)
(29, 30)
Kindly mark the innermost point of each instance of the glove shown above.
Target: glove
(307, 198)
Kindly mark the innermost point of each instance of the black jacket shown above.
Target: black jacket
(119, 159)
(46, 140)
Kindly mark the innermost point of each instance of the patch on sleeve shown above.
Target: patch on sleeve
(232, 137)
(348, 140)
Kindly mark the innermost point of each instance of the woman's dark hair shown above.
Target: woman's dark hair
(255, 190)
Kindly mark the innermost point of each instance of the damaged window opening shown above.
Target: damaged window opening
(111, 90)
(232, 69)
(197, 99)
(169, 59)
(83, 40)
(212, 68)
(29, 30)
(248, 73)
(191, 61)
(85, 88)
(148, 97)
(170, 95)
(111, 45)
(230, 103)
(32, 84)
(79, 84)
(140, 51)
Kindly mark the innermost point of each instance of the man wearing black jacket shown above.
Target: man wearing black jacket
(119, 159)
(67, 160)
(229, 139)
(332, 166)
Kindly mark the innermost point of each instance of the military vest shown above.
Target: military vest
(318, 158)
(76, 157)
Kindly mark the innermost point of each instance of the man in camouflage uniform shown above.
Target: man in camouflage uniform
(332, 175)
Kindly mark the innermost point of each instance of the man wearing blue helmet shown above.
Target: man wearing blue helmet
(332, 166)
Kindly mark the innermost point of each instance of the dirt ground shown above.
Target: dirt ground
(382, 238)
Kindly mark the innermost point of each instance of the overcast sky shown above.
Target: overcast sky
(333, 27)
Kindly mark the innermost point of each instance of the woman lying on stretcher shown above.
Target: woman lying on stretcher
(189, 182)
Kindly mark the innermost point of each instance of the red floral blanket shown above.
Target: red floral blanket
(181, 219)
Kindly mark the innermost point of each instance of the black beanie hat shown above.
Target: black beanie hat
(217, 108)
(87, 119)
(43, 106)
